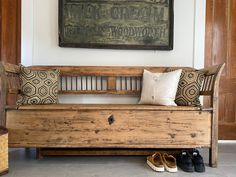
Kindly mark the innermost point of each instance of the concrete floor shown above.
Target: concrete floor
(23, 164)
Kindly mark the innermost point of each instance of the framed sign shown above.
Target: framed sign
(121, 24)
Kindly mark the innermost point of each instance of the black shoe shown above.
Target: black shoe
(198, 161)
(184, 162)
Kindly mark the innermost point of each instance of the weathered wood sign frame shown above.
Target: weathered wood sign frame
(117, 24)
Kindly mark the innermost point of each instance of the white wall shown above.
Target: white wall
(40, 40)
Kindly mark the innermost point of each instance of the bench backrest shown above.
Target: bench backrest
(121, 80)
(101, 80)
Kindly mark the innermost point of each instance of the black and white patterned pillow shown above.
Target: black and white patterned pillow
(188, 91)
(189, 87)
(38, 87)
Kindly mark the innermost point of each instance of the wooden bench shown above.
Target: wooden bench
(109, 127)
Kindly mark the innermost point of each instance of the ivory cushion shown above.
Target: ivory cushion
(160, 88)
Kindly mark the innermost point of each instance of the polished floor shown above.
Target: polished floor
(23, 164)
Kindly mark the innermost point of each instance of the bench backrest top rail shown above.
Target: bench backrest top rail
(104, 70)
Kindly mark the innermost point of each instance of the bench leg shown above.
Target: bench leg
(38, 154)
(213, 157)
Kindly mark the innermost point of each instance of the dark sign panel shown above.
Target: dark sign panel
(124, 24)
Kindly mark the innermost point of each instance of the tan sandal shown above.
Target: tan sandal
(155, 162)
(169, 162)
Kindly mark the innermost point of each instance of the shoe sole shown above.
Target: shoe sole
(158, 169)
(171, 170)
(200, 170)
(188, 170)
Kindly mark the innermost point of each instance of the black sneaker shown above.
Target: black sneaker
(184, 162)
(198, 161)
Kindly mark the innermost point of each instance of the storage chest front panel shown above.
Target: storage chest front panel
(128, 129)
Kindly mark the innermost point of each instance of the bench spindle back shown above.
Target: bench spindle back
(123, 80)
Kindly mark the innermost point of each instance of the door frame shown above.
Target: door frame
(10, 31)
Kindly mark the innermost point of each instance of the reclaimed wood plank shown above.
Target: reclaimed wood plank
(131, 129)
(110, 107)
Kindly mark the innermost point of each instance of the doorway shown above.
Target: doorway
(220, 47)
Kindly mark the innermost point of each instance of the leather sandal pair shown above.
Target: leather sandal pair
(161, 162)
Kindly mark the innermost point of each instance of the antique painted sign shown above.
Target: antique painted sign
(124, 24)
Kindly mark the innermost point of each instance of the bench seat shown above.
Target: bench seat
(109, 107)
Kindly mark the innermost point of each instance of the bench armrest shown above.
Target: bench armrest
(211, 88)
(211, 81)
(9, 77)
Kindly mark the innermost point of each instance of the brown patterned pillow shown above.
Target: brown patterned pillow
(189, 88)
(38, 87)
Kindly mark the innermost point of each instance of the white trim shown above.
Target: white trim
(27, 33)
(199, 33)
(194, 32)
(33, 24)
(227, 141)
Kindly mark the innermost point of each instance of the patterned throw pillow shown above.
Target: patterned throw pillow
(189, 88)
(38, 87)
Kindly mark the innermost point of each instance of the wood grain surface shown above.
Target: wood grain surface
(10, 31)
(133, 129)
(221, 48)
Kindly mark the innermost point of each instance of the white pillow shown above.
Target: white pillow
(160, 88)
